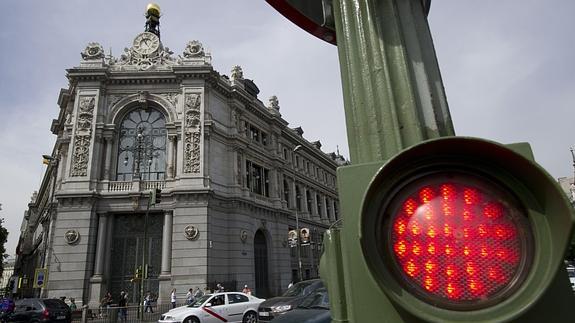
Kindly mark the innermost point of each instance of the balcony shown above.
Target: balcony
(135, 186)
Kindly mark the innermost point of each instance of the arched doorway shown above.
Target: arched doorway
(261, 264)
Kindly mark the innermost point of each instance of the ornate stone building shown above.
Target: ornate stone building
(233, 178)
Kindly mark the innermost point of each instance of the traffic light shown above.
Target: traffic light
(450, 230)
(138, 274)
(155, 196)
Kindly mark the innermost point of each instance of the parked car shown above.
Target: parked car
(40, 310)
(219, 307)
(571, 273)
(277, 306)
(313, 309)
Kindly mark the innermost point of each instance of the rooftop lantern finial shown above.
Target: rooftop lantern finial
(153, 19)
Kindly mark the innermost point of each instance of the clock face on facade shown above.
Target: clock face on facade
(146, 43)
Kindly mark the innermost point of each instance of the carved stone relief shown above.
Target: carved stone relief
(237, 73)
(192, 133)
(72, 236)
(136, 60)
(191, 232)
(194, 49)
(83, 136)
(170, 97)
(93, 51)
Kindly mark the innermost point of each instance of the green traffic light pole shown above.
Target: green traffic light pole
(392, 87)
(394, 100)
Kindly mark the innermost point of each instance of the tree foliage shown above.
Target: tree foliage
(3, 239)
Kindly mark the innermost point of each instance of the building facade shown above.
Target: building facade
(234, 180)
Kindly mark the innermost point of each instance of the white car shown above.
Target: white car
(571, 272)
(216, 308)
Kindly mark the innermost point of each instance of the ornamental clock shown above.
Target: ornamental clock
(146, 43)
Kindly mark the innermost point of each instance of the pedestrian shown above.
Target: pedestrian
(247, 290)
(198, 294)
(173, 298)
(123, 306)
(73, 305)
(219, 288)
(190, 296)
(105, 304)
(148, 303)
(6, 308)
(207, 290)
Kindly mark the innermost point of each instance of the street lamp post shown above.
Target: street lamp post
(141, 152)
(298, 240)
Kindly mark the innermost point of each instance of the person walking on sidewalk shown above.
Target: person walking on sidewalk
(173, 298)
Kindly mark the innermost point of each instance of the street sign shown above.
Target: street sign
(292, 238)
(40, 277)
(304, 235)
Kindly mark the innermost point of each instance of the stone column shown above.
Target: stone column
(170, 165)
(108, 161)
(314, 209)
(274, 188)
(332, 210)
(304, 204)
(97, 280)
(324, 215)
(167, 244)
(101, 244)
(165, 277)
(293, 196)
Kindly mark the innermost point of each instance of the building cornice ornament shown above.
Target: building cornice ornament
(72, 236)
(144, 55)
(83, 136)
(237, 74)
(191, 232)
(93, 51)
(194, 49)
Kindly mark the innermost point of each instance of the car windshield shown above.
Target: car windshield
(318, 299)
(297, 289)
(200, 301)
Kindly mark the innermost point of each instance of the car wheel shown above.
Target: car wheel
(250, 317)
(191, 319)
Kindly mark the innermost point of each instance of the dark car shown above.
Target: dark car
(40, 310)
(313, 309)
(277, 306)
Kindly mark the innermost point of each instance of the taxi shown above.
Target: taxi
(215, 308)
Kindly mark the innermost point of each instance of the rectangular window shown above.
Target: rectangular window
(257, 179)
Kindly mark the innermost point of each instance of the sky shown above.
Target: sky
(508, 70)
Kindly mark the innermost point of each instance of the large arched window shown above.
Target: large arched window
(142, 145)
